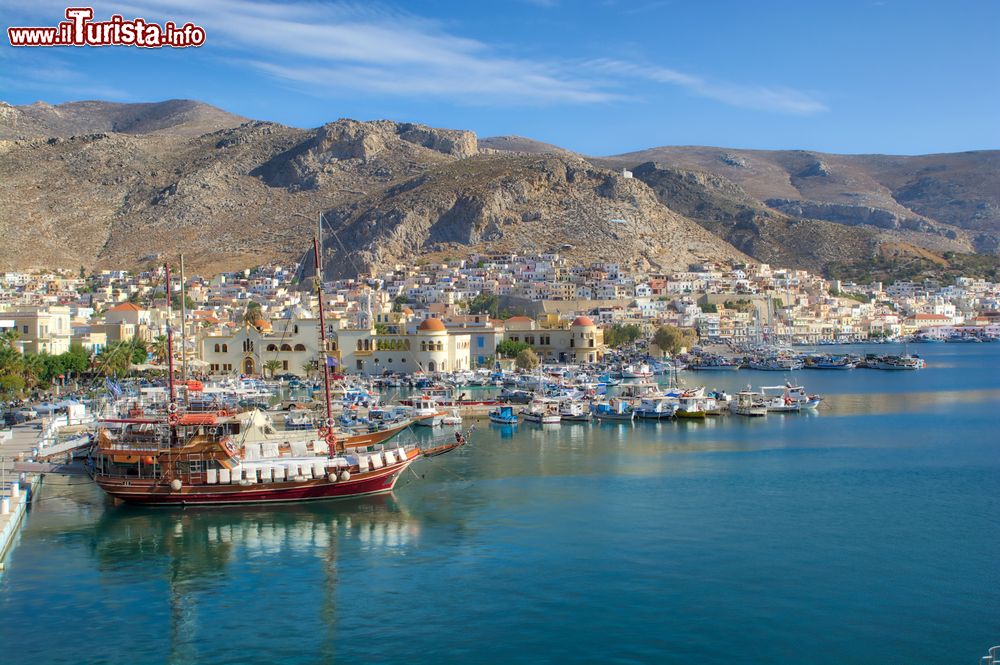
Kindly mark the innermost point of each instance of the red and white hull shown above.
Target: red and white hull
(160, 493)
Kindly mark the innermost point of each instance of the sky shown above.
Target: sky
(596, 76)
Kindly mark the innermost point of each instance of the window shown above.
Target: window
(360, 346)
(272, 347)
(284, 365)
(296, 328)
(217, 347)
(590, 343)
(361, 364)
(480, 341)
(286, 347)
(25, 329)
(300, 347)
(572, 342)
(225, 348)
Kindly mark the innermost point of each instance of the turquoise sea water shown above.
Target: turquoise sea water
(866, 533)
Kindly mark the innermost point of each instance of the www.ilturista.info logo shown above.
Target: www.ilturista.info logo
(80, 30)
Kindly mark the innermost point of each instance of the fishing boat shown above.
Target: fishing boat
(692, 407)
(638, 371)
(426, 412)
(614, 409)
(206, 458)
(575, 411)
(831, 362)
(503, 415)
(451, 419)
(713, 364)
(748, 403)
(798, 395)
(905, 362)
(779, 403)
(542, 412)
(776, 364)
(656, 407)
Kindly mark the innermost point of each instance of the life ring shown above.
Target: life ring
(213, 430)
(322, 432)
(172, 408)
(329, 423)
(173, 419)
(231, 447)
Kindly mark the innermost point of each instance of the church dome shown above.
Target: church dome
(431, 325)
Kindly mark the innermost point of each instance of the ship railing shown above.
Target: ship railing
(992, 656)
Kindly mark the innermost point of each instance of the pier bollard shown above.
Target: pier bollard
(5, 506)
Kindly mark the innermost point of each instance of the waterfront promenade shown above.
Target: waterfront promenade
(16, 445)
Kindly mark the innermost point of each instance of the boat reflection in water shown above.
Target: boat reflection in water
(206, 554)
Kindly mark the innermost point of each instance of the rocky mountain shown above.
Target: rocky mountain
(518, 203)
(520, 144)
(181, 117)
(97, 184)
(946, 202)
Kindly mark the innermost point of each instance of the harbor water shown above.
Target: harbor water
(867, 532)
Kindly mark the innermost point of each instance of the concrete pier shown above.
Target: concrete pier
(16, 446)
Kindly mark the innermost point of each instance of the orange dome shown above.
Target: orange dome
(262, 324)
(431, 325)
(582, 321)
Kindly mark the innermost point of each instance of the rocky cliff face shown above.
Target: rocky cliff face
(381, 151)
(940, 202)
(518, 204)
(97, 184)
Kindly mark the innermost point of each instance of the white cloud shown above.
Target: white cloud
(345, 48)
(767, 98)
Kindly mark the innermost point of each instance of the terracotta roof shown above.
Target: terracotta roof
(519, 319)
(126, 307)
(582, 321)
(431, 325)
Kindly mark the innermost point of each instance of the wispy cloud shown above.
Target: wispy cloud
(766, 98)
(333, 48)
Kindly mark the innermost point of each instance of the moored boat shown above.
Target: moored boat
(503, 415)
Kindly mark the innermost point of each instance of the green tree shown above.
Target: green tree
(509, 348)
(526, 359)
(272, 366)
(620, 335)
(252, 313)
(671, 339)
(309, 367)
(159, 349)
(175, 301)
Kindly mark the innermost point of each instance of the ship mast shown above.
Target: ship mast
(327, 430)
(170, 348)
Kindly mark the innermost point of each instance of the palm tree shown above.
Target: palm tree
(272, 366)
(309, 367)
(160, 349)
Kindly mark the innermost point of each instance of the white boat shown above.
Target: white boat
(426, 412)
(748, 403)
(694, 406)
(658, 407)
(614, 409)
(575, 411)
(641, 371)
(543, 412)
(797, 395)
(452, 419)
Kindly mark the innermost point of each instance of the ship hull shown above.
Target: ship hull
(149, 493)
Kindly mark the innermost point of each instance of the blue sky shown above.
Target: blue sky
(600, 77)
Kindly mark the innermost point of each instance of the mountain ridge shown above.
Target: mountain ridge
(102, 184)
